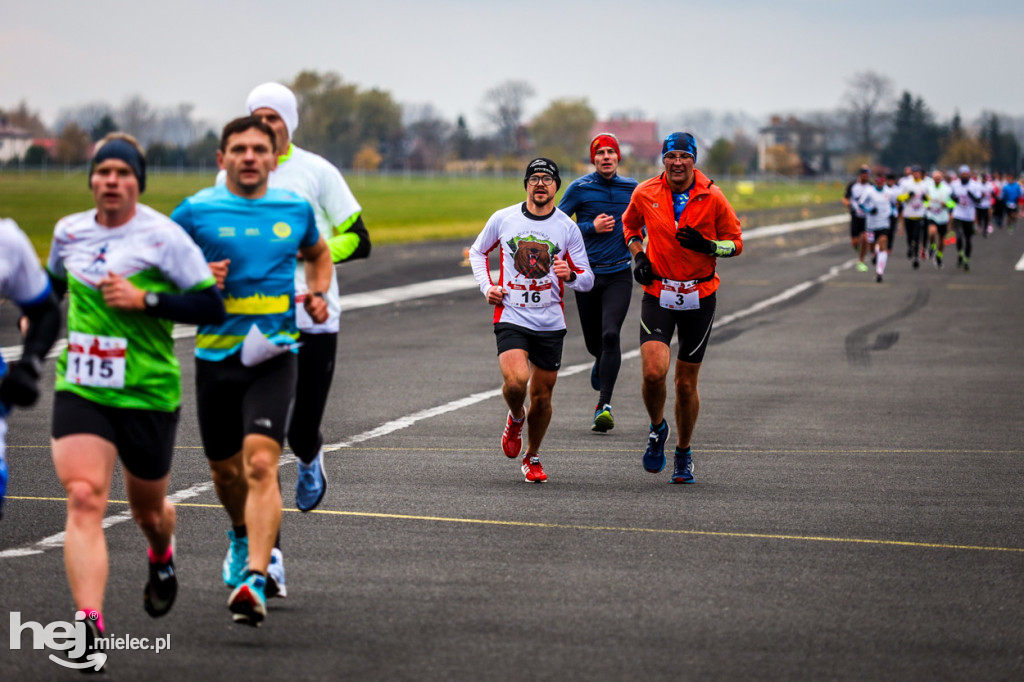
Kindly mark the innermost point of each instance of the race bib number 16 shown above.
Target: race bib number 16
(96, 360)
(529, 293)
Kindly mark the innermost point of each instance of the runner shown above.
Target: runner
(939, 203)
(852, 200)
(689, 224)
(598, 200)
(541, 251)
(877, 204)
(892, 191)
(339, 219)
(129, 272)
(23, 281)
(989, 191)
(912, 192)
(967, 193)
(1011, 194)
(246, 367)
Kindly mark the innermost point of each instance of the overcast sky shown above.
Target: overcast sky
(660, 57)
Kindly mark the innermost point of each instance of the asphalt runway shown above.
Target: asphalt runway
(857, 513)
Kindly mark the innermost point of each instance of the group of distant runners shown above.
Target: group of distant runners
(250, 261)
(927, 207)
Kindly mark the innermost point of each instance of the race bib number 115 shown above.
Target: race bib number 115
(96, 360)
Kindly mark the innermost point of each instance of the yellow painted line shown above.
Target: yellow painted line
(864, 285)
(615, 529)
(978, 287)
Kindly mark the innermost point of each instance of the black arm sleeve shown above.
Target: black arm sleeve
(194, 307)
(363, 250)
(43, 327)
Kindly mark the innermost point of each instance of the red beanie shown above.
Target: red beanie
(604, 140)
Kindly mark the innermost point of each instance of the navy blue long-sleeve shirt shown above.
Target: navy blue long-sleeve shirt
(590, 196)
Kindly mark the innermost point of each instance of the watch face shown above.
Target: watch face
(151, 299)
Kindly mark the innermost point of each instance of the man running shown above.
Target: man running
(690, 224)
(877, 205)
(912, 192)
(246, 367)
(967, 192)
(129, 272)
(852, 199)
(339, 219)
(541, 252)
(598, 200)
(939, 203)
(1011, 193)
(24, 282)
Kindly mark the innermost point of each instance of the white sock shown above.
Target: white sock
(883, 257)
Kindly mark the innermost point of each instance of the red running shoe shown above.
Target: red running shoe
(532, 469)
(512, 438)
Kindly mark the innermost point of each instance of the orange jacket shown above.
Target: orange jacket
(707, 211)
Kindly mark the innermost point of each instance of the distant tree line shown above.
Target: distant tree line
(367, 129)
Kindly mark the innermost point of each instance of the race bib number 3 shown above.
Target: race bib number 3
(679, 295)
(96, 360)
(529, 293)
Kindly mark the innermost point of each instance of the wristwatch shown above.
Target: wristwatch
(151, 300)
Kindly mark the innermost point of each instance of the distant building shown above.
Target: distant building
(14, 142)
(792, 147)
(638, 140)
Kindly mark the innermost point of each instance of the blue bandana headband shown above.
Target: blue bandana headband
(122, 150)
(680, 142)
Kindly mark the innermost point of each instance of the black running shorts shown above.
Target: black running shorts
(233, 401)
(144, 438)
(658, 324)
(543, 348)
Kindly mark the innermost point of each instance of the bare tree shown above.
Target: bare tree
(868, 103)
(562, 131)
(137, 118)
(503, 106)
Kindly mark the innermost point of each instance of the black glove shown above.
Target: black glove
(20, 385)
(693, 240)
(643, 273)
(874, 210)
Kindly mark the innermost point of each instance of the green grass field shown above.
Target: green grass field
(395, 208)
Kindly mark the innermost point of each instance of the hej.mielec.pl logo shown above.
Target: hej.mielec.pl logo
(72, 638)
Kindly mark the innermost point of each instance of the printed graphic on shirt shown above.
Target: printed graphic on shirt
(532, 255)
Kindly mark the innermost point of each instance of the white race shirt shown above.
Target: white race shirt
(534, 295)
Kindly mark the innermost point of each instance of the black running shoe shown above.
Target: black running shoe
(161, 588)
(92, 659)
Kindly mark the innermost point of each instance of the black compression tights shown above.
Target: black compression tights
(602, 311)
(316, 370)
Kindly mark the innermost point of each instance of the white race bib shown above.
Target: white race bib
(679, 295)
(529, 293)
(96, 360)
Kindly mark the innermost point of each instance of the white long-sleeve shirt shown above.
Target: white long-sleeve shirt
(534, 295)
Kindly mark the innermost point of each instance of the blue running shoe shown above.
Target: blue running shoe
(603, 420)
(683, 472)
(654, 457)
(595, 380)
(275, 576)
(236, 563)
(312, 483)
(247, 603)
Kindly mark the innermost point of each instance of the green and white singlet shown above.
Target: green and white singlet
(122, 358)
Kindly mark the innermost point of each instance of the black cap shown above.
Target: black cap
(542, 165)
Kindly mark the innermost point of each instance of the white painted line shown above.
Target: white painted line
(784, 228)
(812, 249)
(1020, 265)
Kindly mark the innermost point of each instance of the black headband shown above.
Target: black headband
(122, 150)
